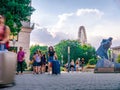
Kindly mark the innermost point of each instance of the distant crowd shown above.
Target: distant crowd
(40, 64)
(78, 65)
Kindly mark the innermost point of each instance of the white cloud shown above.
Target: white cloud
(61, 21)
(68, 24)
(68, 20)
(104, 30)
(89, 11)
(44, 37)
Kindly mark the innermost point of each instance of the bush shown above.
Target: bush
(118, 58)
(92, 61)
(24, 65)
(62, 68)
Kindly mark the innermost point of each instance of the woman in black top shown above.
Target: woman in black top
(51, 55)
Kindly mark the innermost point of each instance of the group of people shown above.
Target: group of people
(40, 63)
(78, 65)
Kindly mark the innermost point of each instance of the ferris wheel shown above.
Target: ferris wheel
(82, 38)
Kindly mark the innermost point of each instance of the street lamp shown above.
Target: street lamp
(62, 60)
(79, 61)
(13, 42)
(68, 58)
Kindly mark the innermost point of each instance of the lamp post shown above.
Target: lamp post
(62, 60)
(79, 61)
(68, 58)
(13, 41)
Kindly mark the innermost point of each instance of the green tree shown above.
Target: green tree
(88, 53)
(118, 58)
(15, 12)
(76, 50)
(92, 61)
(33, 49)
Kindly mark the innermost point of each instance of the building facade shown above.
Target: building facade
(115, 52)
(23, 40)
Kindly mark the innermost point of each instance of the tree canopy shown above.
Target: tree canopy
(76, 50)
(15, 12)
(33, 49)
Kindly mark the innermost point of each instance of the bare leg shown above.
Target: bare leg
(49, 67)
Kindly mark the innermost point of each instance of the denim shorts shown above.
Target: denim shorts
(50, 59)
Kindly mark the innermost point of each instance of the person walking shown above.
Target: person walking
(4, 33)
(38, 61)
(34, 63)
(20, 60)
(43, 63)
(51, 56)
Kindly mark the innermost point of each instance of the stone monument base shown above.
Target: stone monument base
(106, 66)
(104, 70)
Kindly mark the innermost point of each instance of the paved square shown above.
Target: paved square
(67, 81)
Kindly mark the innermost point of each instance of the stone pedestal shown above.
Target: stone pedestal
(106, 66)
(104, 70)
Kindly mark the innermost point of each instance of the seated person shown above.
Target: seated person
(72, 64)
(77, 65)
(4, 33)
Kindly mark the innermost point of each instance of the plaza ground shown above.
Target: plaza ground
(67, 81)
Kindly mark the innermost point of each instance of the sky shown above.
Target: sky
(56, 20)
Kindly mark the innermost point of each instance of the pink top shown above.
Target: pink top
(1, 32)
(20, 56)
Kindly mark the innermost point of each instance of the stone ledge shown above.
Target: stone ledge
(104, 70)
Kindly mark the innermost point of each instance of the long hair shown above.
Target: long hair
(52, 48)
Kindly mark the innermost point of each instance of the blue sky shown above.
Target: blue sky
(60, 19)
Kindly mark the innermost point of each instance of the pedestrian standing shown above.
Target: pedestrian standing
(77, 65)
(34, 63)
(38, 61)
(43, 63)
(51, 56)
(82, 62)
(20, 60)
(72, 65)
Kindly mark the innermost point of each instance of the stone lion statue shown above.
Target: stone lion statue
(103, 48)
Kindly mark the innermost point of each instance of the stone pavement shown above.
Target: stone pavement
(67, 81)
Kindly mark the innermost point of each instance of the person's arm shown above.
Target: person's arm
(55, 55)
(6, 37)
(23, 56)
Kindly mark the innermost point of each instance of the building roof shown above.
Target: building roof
(117, 47)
